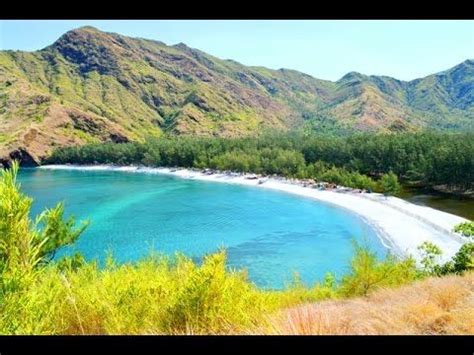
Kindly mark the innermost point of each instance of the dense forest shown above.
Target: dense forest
(366, 161)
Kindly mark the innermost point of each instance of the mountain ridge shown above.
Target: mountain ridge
(94, 86)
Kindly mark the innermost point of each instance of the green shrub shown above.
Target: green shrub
(298, 293)
(367, 273)
(173, 295)
(26, 244)
(462, 261)
(431, 254)
(464, 258)
(389, 184)
(466, 229)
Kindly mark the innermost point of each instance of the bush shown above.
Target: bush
(466, 229)
(208, 299)
(431, 254)
(173, 295)
(389, 184)
(367, 273)
(299, 293)
(462, 261)
(27, 244)
(464, 258)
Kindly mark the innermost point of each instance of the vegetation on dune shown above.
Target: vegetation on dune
(372, 162)
(167, 295)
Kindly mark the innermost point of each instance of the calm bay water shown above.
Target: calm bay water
(269, 233)
(459, 205)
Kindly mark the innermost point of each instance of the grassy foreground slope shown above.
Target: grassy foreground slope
(157, 297)
(91, 86)
(429, 307)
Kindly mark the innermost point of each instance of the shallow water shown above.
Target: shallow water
(459, 205)
(271, 234)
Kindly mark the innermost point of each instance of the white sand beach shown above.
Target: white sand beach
(402, 226)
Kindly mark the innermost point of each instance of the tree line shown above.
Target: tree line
(362, 160)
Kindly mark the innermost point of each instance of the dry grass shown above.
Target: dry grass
(433, 306)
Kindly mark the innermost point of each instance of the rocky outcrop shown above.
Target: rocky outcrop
(22, 156)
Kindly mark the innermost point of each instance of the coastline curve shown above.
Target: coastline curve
(400, 224)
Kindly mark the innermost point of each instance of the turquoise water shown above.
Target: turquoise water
(269, 233)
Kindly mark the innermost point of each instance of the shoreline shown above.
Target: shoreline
(401, 225)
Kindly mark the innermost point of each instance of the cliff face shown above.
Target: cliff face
(91, 86)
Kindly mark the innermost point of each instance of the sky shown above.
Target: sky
(325, 49)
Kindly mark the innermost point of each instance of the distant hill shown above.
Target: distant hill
(92, 86)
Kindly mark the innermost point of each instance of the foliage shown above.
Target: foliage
(57, 231)
(436, 305)
(431, 254)
(25, 244)
(72, 262)
(389, 183)
(170, 295)
(465, 228)
(462, 261)
(464, 258)
(367, 273)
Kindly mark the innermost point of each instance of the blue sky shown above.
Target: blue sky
(325, 49)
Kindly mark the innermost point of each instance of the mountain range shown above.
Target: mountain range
(93, 86)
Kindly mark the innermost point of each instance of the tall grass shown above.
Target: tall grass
(156, 296)
(160, 295)
(429, 307)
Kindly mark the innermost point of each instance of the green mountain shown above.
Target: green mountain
(92, 86)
